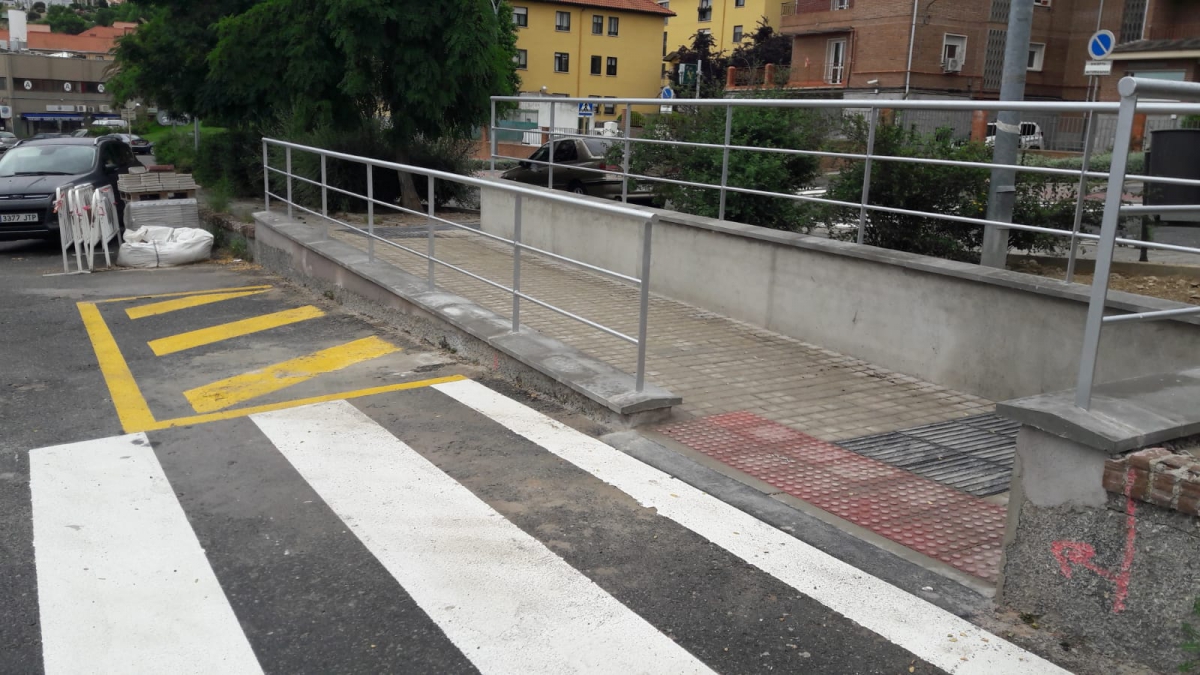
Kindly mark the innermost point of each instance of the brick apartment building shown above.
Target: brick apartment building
(861, 47)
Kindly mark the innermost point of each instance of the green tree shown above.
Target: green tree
(66, 20)
(764, 127)
(103, 16)
(39, 7)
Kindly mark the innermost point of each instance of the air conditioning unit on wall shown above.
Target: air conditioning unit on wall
(91, 108)
(106, 108)
(952, 65)
(81, 108)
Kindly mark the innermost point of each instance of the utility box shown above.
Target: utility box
(1175, 153)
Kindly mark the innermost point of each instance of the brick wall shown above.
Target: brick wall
(1157, 476)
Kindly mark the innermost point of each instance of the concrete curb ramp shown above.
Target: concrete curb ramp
(302, 251)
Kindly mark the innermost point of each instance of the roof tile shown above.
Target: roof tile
(642, 6)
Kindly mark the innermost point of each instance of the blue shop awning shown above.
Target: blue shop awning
(52, 117)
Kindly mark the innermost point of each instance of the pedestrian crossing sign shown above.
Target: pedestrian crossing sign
(586, 110)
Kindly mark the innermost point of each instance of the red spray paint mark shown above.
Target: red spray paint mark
(1069, 553)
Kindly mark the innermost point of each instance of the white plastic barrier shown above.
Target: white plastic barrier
(86, 217)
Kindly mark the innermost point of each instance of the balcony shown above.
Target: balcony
(812, 6)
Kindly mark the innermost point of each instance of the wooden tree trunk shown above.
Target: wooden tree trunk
(409, 198)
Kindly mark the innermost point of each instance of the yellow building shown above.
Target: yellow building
(590, 48)
(726, 20)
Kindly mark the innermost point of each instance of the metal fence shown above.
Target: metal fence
(929, 113)
(369, 165)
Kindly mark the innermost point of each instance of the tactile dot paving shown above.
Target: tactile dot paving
(940, 522)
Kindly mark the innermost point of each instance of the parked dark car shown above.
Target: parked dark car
(31, 172)
(140, 145)
(573, 157)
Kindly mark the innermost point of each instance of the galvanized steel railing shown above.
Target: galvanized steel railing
(1116, 176)
(646, 218)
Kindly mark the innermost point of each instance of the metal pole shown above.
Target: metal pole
(288, 169)
(196, 134)
(429, 248)
(644, 308)
(492, 135)
(266, 178)
(725, 160)
(625, 159)
(1104, 248)
(698, 66)
(1002, 191)
(866, 189)
(1083, 186)
(324, 196)
(912, 42)
(550, 178)
(371, 213)
(516, 299)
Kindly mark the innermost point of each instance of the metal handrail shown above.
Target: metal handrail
(645, 218)
(1116, 177)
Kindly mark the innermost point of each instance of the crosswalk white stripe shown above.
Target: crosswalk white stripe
(123, 584)
(509, 603)
(924, 629)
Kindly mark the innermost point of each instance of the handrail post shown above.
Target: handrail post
(866, 188)
(492, 135)
(266, 178)
(516, 298)
(550, 178)
(725, 159)
(644, 308)
(288, 157)
(1104, 249)
(625, 158)
(325, 196)
(430, 243)
(370, 212)
(1087, 158)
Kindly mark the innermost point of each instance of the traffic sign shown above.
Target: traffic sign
(1101, 44)
(1097, 68)
(586, 110)
(667, 92)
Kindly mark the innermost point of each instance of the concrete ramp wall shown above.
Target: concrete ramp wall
(991, 333)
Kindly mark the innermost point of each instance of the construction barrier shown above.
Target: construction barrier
(87, 218)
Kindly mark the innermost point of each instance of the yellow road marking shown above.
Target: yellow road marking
(126, 396)
(226, 331)
(234, 390)
(156, 308)
(183, 293)
(343, 396)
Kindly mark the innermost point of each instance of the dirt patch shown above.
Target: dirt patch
(1168, 287)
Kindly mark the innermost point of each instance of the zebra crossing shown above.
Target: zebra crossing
(446, 529)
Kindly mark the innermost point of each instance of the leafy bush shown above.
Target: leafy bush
(452, 155)
(772, 172)
(232, 158)
(176, 148)
(1041, 200)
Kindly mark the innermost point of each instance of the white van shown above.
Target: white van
(1031, 136)
(116, 124)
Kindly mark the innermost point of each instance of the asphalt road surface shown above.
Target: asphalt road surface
(205, 470)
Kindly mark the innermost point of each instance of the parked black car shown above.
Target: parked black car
(31, 172)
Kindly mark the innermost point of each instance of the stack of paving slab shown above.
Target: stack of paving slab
(148, 199)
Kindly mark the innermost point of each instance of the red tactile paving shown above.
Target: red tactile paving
(940, 522)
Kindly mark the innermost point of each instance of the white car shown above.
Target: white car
(1031, 136)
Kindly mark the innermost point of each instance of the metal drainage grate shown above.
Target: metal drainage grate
(410, 232)
(972, 454)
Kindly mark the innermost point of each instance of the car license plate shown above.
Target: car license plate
(19, 218)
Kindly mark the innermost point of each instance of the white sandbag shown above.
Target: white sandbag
(157, 246)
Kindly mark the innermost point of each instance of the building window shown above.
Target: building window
(521, 17)
(613, 24)
(739, 3)
(1133, 20)
(611, 68)
(1037, 56)
(705, 10)
(835, 61)
(609, 108)
(954, 52)
(664, 43)
(737, 33)
(597, 24)
(839, 4)
(562, 21)
(1042, 3)
(562, 62)
(665, 4)
(522, 59)
(595, 65)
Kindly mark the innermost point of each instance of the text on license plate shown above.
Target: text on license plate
(19, 218)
